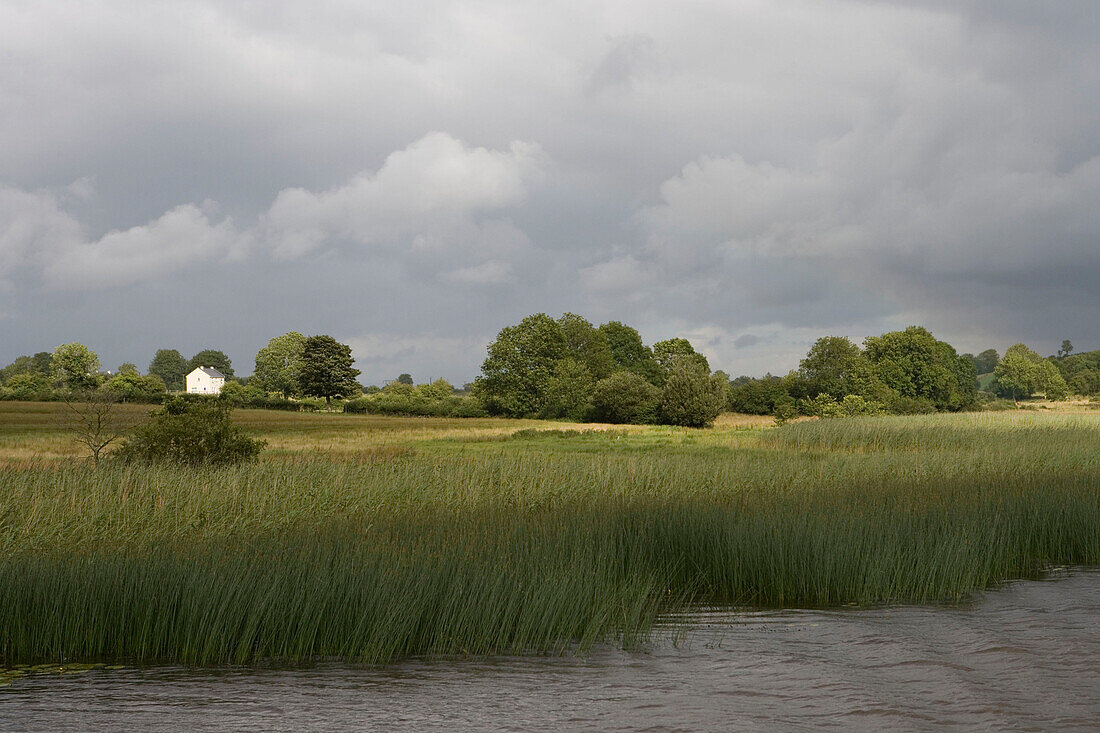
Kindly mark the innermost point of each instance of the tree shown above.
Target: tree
(667, 352)
(28, 385)
(1022, 373)
(986, 362)
(1066, 350)
(516, 373)
(279, 364)
(75, 367)
(95, 421)
(587, 345)
(569, 392)
(691, 397)
(127, 368)
(625, 397)
(757, 396)
(171, 367)
(212, 358)
(130, 385)
(830, 364)
(39, 364)
(327, 369)
(404, 378)
(916, 365)
(630, 353)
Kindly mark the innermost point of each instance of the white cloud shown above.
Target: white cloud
(33, 229)
(428, 198)
(433, 185)
(181, 238)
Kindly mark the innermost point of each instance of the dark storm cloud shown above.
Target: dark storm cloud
(412, 177)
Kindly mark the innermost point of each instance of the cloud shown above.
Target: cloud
(433, 185)
(181, 238)
(779, 170)
(426, 198)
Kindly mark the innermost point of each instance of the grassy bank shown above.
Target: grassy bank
(423, 536)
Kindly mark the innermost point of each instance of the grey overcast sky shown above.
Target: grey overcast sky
(412, 176)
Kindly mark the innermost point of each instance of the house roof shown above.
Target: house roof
(210, 372)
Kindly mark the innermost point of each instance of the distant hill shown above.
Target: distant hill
(985, 381)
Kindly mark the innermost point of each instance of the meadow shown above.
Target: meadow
(376, 538)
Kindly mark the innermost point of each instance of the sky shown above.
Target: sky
(412, 177)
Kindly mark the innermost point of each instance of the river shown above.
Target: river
(1026, 656)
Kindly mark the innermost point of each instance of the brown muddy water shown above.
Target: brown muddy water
(1024, 657)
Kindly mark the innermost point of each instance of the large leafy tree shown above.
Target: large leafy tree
(569, 391)
(515, 376)
(666, 353)
(1022, 373)
(327, 369)
(587, 345)
(837, 367)
(986, 362)
(630, 353)
(171, 367)
(212, 358)
(916, 365)
(75, 366)
(279, 364)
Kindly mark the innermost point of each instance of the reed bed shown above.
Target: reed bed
(530, 546)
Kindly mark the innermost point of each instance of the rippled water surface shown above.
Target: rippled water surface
(1027, 656)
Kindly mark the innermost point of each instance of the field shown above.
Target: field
(373, 538)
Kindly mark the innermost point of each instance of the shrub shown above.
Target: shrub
(901, 405)
(854, 405)
(691, 396)
(625, 397)
(191, 432)
(756, 396)
(785, 410)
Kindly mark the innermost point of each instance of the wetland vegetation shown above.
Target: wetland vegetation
(376, 538)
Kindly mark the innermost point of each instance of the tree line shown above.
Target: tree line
(567, 368)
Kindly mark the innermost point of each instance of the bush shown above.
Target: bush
(785, 410)
(911, 406)
(191, 432)
(625, 397)
(756, 396)
(691, 396)
(408, 401)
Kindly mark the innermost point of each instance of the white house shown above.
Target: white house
(205, 380)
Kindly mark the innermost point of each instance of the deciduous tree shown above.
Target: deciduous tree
(212, 358)
(516, 373)
(171, 367)
(279, 364)
(75, 367)
(327, 369)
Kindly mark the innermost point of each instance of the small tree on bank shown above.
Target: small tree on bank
(327, 369)
(93, 418)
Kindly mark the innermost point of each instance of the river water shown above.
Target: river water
(1023, 657)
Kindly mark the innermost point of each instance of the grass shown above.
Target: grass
(374, 538)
